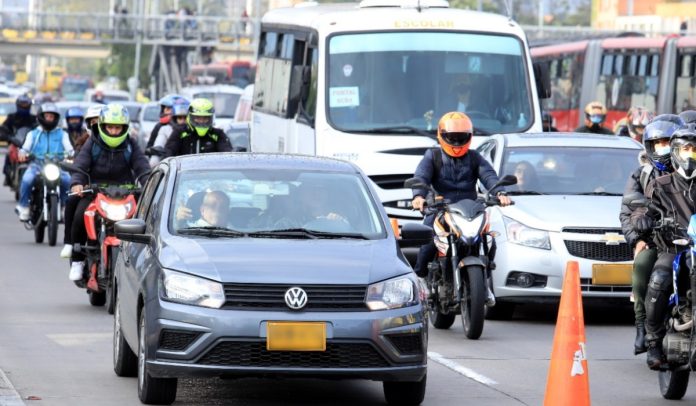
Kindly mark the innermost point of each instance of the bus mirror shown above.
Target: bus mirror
(543, 80)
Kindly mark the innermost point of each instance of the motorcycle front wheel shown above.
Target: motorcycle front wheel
(53, 220)
(473, 304)
(673, 384)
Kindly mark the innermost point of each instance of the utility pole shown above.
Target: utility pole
(139, 13)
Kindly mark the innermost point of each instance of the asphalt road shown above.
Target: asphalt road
(55, 349)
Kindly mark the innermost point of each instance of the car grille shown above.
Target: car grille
(599, 251)
(272, 297)
(255, 354)
(591, 230)
(407, 344)
(176, 340)
(587, 286)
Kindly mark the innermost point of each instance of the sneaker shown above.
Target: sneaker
(76, 271)
(490, 297)
(23, 213)
(66, 252)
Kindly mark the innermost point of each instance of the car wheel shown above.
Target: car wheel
(405, 393)
(152, 391)
(125, 361)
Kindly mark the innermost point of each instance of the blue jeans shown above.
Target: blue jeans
(28, 181)
(427, 252)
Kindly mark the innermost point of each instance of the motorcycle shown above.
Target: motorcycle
(44, 203)
(459, 278)
(679, 343)
(112, 203)
(17, 168)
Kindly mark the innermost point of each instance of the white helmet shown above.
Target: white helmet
(93, 112)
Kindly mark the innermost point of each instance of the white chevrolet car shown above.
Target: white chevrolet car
(567, 204)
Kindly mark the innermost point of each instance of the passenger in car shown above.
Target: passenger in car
(526, 177)
(214, 211)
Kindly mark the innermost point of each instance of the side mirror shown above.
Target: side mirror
(635, 201)
(507, 180)
(415, 235)
(543, 80)
(156, 151)
(415, 183)
(132, 230)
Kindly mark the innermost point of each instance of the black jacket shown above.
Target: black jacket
(186, 141)
(676, 197)
(110, 165)
(15, 121)
(633, 186)
(600, 130)
(458, 176)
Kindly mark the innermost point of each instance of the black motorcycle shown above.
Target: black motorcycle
(17, 168)
(45, 205)
(459, 278)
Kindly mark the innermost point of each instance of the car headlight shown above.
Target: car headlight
(392, 294)
(520, 234)
(192, 290)
(51, 172)
(115, 212)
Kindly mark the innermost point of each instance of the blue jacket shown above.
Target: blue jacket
(458, 176)
(39, 142)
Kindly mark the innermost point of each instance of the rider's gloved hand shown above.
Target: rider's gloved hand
(504, 199)
(77, 189)
(642, 223)
(418, 203)
(22, 155)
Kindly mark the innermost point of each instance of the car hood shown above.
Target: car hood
(553, 212)
(256, 260)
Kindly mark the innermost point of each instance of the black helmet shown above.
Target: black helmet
(41, 118)
(23, 103)
(660, 128)
(683, 151)
(689, 116)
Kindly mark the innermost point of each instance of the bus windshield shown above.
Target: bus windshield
(410, 79)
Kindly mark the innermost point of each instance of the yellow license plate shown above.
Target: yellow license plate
(611, 274)
(291, 336)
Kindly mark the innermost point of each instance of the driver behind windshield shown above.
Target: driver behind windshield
(214, 211)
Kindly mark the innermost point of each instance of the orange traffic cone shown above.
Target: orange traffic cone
(568, 381)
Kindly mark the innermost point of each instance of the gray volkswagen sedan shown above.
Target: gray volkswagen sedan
(266, 265)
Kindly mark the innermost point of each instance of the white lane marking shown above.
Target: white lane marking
(79, 339)
(462, 370)
(8, 394)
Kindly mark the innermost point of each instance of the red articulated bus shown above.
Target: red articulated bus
(236, 73)
(657, 73)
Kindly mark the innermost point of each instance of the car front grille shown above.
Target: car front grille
(599, 251)
(255, 354)
(587, 286)
(591, 230)
(407, 344)
(272, 297)
(175, 340)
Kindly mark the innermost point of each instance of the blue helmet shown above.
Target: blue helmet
(180, 109)
(689, 116)
(660, 128)
(74, 112)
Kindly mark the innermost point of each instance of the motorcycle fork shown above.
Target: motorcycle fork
(455, 270)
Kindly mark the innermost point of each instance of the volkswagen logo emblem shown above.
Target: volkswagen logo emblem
(295, 298)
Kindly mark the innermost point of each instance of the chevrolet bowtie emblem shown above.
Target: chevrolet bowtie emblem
(613, 238)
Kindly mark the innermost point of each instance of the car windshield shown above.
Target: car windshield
(225, 103)
(382, 80)
(569, 170)
(276, 204)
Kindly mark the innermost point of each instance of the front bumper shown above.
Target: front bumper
(194, 341)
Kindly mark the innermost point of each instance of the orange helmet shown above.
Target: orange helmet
(454, 133)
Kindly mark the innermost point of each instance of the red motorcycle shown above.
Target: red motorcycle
(111, 204)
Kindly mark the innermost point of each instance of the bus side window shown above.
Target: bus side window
(268, 48)
(685, 91)
(309, 100)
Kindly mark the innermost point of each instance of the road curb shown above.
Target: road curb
(8, 394)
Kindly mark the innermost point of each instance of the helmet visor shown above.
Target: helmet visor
(684, 148)
(201, 121)
(456, 139)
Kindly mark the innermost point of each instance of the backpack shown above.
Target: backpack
(645, 176)
(97, 150)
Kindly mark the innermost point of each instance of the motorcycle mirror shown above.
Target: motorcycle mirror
(507, 180)
(144, 175)
(154, 151)
(415, 183)
(635, 201)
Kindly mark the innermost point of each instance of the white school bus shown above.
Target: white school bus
(368, 83)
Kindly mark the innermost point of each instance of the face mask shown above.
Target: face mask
(662, 150)
(687, 154)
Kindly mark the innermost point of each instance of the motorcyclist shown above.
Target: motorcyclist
(166, 105)
(689, 116)
(636, 120)
(91, 120)
(595, 115)
(74, 120)
(46, 139)
(177, 122)
(110, 157)
(548, 122)
(199, 135)
(453, 170)
(655, 161)
(675, 195)
(14, 121)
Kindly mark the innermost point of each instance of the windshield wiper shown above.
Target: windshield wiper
(212, 231)
(400, 129)
(479, 131)
(524, 192)
(599, 194)
(312, 234)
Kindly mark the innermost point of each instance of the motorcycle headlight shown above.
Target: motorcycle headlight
(392, 294)
(115, 212)
(469, 229)
(192, 290)
(520, 234)
(51, 172)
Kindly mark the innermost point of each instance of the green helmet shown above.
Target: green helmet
(200, 116)
(114, 114)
